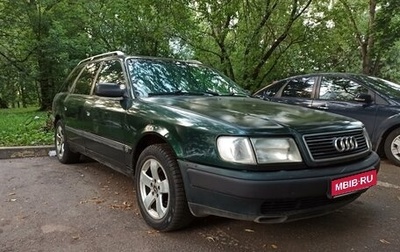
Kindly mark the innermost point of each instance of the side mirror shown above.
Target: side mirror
(265, 97)
(367, 98)
(110, 90)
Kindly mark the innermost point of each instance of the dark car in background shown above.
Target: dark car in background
(196, 144)
(373, 101)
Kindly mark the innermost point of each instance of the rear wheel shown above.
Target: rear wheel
(392, 146)
(159, 189)
(64, 154)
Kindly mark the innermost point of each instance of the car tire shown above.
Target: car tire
(159, 189)
(63, 152)
(392, 147)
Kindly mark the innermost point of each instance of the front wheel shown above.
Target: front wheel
(392, 146)
(159, 189)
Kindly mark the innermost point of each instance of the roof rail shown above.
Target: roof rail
(194, 61)
(113, 53)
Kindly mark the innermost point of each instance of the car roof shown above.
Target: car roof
(343, 74)
(354, 76)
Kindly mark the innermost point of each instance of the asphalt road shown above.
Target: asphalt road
(47, 206)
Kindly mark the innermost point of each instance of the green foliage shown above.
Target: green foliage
(253, 42)
(246, 39)
(25, 127)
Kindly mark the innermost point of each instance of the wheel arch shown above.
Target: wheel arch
(147, 140)
(380, 149)
(56, 119)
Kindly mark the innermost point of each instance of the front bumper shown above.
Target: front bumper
(268, 196)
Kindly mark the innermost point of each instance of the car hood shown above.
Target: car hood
(254, 114)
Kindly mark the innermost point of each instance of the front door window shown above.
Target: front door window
(339, 89)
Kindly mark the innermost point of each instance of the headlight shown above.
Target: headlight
(367, 139)
(236, 149)
(258, 150)
(276, 150)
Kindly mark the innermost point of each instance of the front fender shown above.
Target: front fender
(383, 129)
(170, 136)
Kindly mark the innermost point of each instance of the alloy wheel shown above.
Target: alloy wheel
(154, 189)
(60, 142)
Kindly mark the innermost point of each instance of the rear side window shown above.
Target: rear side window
(71, 79)
(84, 83)
(271, 90)
(300, 87)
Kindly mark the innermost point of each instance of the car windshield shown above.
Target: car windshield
(385, 87)
(153, 77)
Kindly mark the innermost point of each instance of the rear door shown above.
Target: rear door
(75, 112)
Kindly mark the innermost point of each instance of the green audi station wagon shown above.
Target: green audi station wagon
(196, 144)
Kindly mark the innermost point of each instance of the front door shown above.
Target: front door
(107, 138)
(337, 95)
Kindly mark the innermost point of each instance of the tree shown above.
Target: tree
(40, 39)
(374, 27)
(245, 39)
(48, 37)
(348, 36)
(253, 41)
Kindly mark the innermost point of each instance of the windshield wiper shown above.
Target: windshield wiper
(234, 94)
(176, 92)
(180, 92)
(209, 92)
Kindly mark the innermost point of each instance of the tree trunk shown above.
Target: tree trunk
(45, 81)
(3, 104)
(365, 41)
(368, 44)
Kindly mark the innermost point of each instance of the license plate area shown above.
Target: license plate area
(353, 183)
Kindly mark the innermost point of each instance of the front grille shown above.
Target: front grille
(282, 206)
(321, 147)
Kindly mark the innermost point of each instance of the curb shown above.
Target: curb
(25, 151)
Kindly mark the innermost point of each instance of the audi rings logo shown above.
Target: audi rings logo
(345, 144)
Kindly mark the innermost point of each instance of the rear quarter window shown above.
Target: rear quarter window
(69, 82)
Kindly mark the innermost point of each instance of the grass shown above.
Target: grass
(25, 127)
